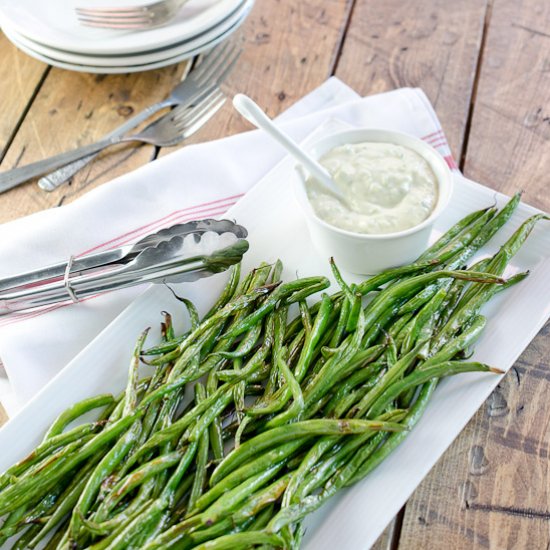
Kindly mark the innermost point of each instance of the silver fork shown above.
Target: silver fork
(130, 17)
(210, 74)
(169, 130)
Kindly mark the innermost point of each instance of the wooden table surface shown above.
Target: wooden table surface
(485, 65)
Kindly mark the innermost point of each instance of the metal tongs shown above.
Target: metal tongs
(181, 253)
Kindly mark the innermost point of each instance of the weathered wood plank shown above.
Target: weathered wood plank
(508, 144)
(289, 48)
(491, 490)
(430, 44)
(73, 109)
(19, 77)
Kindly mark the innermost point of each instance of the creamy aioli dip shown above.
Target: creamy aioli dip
(387, 187)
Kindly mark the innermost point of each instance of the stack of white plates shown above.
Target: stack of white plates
(50, 32)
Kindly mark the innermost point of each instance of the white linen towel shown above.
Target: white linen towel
(194, 182)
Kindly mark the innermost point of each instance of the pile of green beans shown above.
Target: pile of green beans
(264, 409)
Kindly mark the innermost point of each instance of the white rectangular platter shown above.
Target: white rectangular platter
(354, 519)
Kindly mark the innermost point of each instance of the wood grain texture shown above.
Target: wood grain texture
(491, 489)
(74, 109)
(432, 44)
(510, 133)
(20, 76)
(290, 48)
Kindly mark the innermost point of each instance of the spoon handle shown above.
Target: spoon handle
(254, 114)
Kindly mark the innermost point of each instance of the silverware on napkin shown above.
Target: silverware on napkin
(182, 253)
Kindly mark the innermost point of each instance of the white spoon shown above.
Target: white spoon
(253, 113)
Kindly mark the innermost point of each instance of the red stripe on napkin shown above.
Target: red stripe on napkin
(433, 134)
(217, 208)
(439, 141)
(442, 142)
(166, 219)
(451, 162)
(173, 219)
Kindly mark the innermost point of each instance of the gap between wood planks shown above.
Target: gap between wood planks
(345, 28)
(335, 56)
(473, 98)
(24, 112)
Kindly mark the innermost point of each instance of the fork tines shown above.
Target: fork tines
(184, 118)
(219, 62)
(130, 17)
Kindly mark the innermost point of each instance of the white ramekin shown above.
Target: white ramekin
(368, 254)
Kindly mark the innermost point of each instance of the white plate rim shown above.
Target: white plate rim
(136, 58)
(114, 43)
(128, 68)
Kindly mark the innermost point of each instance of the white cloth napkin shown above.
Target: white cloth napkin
(195, 182)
